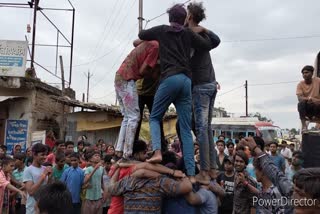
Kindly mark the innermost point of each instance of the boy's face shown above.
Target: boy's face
(68, 161)
(228, 166)
(74, 162)
(95, 159)
(2, 153)
(107, 166)
(61, 163)
(40, 158)
(61, 148)
(239, 164)
(18, 163)
(220, 147)
(9, 168)
(70, 148)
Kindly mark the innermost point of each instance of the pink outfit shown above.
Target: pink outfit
(4, 181)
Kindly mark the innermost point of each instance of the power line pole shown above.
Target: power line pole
(246, 87)
(140, 18)
(88, 84)
(36, 4)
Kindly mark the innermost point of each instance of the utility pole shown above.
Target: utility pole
(140, 18)
(63, 122)
(88, 84)
(36, 4)
(246, 87)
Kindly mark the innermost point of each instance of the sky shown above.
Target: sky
(264, 42)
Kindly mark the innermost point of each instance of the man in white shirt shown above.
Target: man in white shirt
(285, 151)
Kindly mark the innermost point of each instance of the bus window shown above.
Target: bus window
(238, 135)
(251, 134)
(227, 134)
(216, 133)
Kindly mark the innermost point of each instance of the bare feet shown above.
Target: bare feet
(156, 157)
(202, 179)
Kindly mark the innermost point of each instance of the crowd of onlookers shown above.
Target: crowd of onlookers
(86, 177)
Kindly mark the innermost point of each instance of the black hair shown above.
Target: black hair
(20, 156)
(54, 198)
(75, 155)
(221, 136)
(230, 143)
(89, 154)
(3, 147)
(284, 142)
(69, 143)
(81, 142)
(259, 141)
(59, 142)
(139, 146)
(197, 11)
(308, 68)
(221, 141)
(6, 160)
(107, 159)
(169, 157)
(242, 155)
(273, 142)
(177, 14)
(60, 156)
(308, 179)
(38, 148)
(299, 154)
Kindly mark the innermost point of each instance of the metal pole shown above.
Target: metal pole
(36, 3)
(246, 86)
(72, 37)
(57, 52)
(63, 122)
(88, 85)
(62, 74)
(140, 14)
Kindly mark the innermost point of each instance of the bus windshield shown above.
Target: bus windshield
(270, 133)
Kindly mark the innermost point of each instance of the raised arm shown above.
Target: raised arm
(32, 187)
(277, 177)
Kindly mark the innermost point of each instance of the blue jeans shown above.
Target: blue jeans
(203, 97)
(175, 89)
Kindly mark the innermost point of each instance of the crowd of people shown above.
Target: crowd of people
(87, 177)
(170, 64)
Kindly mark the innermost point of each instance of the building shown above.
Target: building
(26, 106)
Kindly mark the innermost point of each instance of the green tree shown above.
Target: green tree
(260, 117)
(294, 131)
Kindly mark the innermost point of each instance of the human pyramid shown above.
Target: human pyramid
(170, 64)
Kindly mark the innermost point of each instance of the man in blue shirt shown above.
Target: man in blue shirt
(205, 199)
(73, 178)
(278, 160)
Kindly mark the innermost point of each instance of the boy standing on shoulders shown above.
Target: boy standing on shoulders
(36, 175)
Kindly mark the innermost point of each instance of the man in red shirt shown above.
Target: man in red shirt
(136, 65)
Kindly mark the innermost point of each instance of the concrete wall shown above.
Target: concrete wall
(42, 112)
